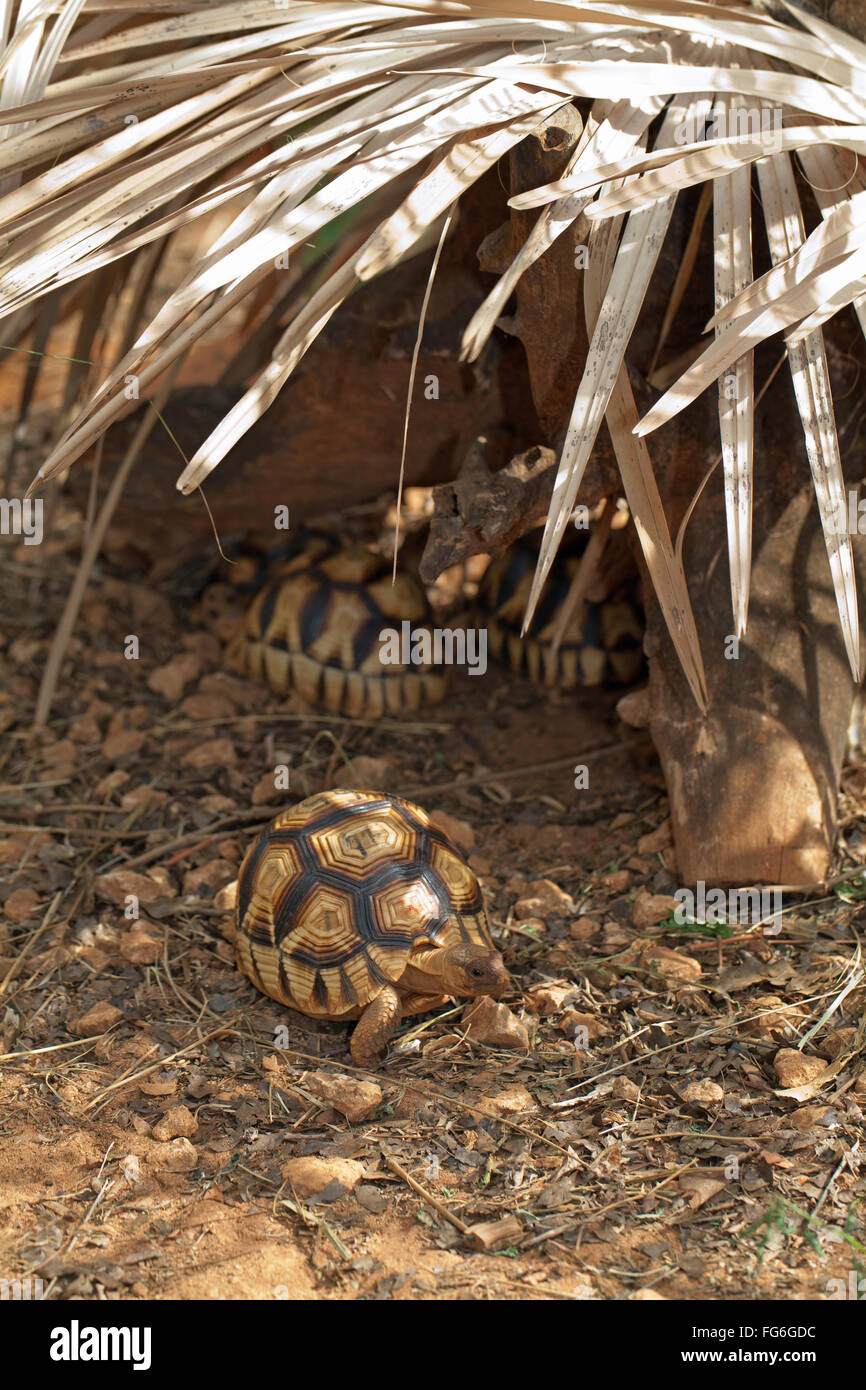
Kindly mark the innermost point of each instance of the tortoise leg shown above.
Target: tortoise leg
(375, 1027)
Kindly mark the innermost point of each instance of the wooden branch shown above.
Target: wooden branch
(482, 511)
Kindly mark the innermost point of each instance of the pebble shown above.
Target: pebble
(648, 909)
(213, 754)
(310, 1176)
(462, 834)
(139, 947)
(657, 839)
(121, 884)
(704, 1094)
(178, 1122)
(793, 1069)
(671, 965)
(97, 1020)
(354, 1099)
(544, 899)
(511, 1100)
(21, 905)
(487, 1021)
(178, 1156)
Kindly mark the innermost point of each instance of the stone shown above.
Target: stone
(311, 1176)
(458, 830)
(794, 1069)
(353, 1098)
(178, 1156)
(177, 1123)
(648, 909)
(96, 1020)
(489, 1022)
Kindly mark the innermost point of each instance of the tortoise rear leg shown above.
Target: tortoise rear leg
(375, 1027)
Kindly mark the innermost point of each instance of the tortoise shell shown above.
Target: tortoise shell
(335, 892)
(318, 625)
(603, 640)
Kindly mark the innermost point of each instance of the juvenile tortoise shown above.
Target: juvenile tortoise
(354, 905)
(316, 627)
(603, 639)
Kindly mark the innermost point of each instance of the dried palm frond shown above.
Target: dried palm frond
(124, 125)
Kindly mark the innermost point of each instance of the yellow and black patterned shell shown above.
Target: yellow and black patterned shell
(317, 627)
(602, 643)
(333, 894)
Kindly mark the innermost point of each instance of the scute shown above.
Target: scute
(336, 890)
(359, 844)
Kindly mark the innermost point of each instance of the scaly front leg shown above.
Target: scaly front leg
(375, 1027)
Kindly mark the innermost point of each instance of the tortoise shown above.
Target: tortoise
(603, 639)
(317, 627)
(354, 905)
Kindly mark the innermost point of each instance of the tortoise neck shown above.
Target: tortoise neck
(425, 972)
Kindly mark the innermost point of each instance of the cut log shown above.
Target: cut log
(752, 784)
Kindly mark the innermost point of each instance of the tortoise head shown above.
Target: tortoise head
(470, 970)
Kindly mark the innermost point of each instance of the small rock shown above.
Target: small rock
(354, 1099)
(154, 1085)
(704, 1094)
(212, 875)
(550, 997)
(793, 1069)
(207, 707)
(139, 947)
(584, 928)
(178, 1122)
(614, 936)
(511, 1100)
(487, 1021)
(123, 743)
(670, 964)
(97, 1020)
(226, 899)
(780, 1017)
(107, 786)
(211, 755)
(21, 905)
(363, 772)
(588, 1026)
(462, 834)
(169, 680)
(544, 899)
(648, 909)
(616, 882)
(310, 1176)
(657, 839)
(178, 1156)
(148, 796)
(266, 791)
(121, 884)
